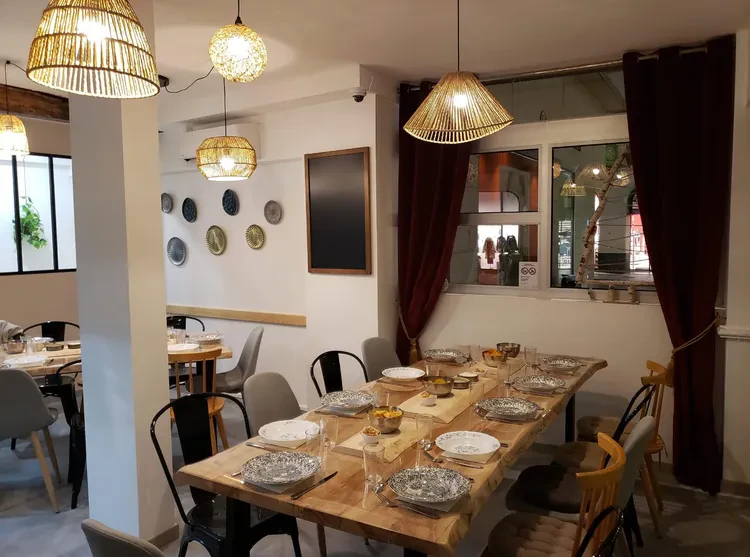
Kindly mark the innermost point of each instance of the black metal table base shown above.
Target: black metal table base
(570, 420)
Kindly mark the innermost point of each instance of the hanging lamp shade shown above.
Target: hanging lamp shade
(93, 47)
(13, 140)
(458, 109)
(571, 189)
(238, 53)
(226, 158)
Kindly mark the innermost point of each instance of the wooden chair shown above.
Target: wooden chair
(204, 360)
(518, 533)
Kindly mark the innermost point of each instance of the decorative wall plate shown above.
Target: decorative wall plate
(255, 236)
(189, 210)
(176, 251)
(166, 203)
(230, 202)
(273, 212)
(216, 240)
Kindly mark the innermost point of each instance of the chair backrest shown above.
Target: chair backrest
(268, 398)
(600, 489)
(180, 322)
(191, 419)
(635, 447)
(607, 547)
(204, 360)
(330, 367)
(22, 408)
(660, 377)
(249, 356)
(378, 354)
(638, 405)
(108, 542)
(56, 378)
(53, 329)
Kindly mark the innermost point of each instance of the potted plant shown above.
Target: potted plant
(32, 229)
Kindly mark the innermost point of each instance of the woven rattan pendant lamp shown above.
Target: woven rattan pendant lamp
(226, 158)
(13, 140)
(93, 47)
(237, 52)
(459, 108)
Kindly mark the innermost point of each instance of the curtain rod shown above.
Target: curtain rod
(572, 70)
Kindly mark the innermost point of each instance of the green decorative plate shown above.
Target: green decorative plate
(216, 240)
(255, 236)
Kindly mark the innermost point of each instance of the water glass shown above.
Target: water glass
(529, 355)
(314, 443)
(329, 427)
(475, 353)
(382, 398)
(180, 336)
(373, 456)
(424, 427)
(432, 369)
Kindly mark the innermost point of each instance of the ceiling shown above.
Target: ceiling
(409, 39)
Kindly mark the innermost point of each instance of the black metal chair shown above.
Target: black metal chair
(607, 548)
(53, 329)
(206, 522)
(330, 366)
(180, 322)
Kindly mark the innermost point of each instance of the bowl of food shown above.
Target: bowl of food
(511, 349)
(370, 435)
(460, 382)
(54, 346)
(386, 419)
(493, 357)
(438, 386)
(15, 346)
(74, 344)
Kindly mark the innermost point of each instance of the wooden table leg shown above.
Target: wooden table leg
(238, 517)
(570, 420)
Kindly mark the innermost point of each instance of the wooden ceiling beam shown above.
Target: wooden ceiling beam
(25, 102)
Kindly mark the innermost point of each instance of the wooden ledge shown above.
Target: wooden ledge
(288, 319)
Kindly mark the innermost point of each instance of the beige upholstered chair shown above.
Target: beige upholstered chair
(233, 380)
(107, 542)
(378, 354)
(23, 413)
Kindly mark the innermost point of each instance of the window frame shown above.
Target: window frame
(544, 136)
(53, 218)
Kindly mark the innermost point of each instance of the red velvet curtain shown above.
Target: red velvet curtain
(431, 182)
(680, 114)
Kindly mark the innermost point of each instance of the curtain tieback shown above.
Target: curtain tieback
(414, 355)
(684, 345)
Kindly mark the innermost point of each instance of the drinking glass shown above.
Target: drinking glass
(382, 398)
(314, 443)
(432, 369)
(373, 456)
(476, 393)
(424, 427)
(180, 336)
(529, 355)
(475, 353)
(329, 427)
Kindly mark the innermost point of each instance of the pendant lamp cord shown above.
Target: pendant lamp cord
(238, 21)
(224, 84)
(458, 35)
(7, 102)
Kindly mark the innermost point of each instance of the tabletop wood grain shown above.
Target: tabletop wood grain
(344, 503)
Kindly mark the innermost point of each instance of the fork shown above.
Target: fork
(441, 459)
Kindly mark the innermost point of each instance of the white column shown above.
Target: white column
(121, 306)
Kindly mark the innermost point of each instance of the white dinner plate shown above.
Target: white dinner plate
(287, 432)
(23, 360)
(186, 347)
(403, 373)
(467, 444)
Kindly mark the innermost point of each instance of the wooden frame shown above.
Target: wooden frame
(367, 270)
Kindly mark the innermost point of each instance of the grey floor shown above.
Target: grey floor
(695, 524)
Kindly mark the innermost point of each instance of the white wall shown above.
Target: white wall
(341, 310)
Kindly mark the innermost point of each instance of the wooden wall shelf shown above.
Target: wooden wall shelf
(240, 315)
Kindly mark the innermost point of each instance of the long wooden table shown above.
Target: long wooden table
(344, 502)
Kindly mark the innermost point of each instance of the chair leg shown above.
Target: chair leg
(222, 430)
(13, 444)
(184, 542)
(653, 507)
(45, 471)
(51, 453)
(322, 541)
(654, 483)
(631, 520)
(212, 430)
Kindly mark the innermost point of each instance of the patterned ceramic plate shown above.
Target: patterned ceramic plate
(216, 240)
(189, 210)
(24, 361)
(206, 339)
(538, 383)
(429, 484)
(403, 373)
(445, 355)
(166, 203)
(509, 407)
(255, 236)
(272, 212)
(286, 430)
(559, 364)
(470, 443)
(184, 347)
(176, 251)
(348, 400)
(230, 202)
(280, 468)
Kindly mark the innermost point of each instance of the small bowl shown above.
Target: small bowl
(430, 400)
(370, 439)
(461, 382)
(74, 344)
(54, 346)
(494, 360)
(472, 376)
(512, 349)
(438, 386)
(385, 425)
(15, 346)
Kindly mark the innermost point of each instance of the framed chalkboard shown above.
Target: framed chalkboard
(337, 194)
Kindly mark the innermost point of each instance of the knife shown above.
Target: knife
(264, 447)
(299, 494)
(419, 510)
(466, 463)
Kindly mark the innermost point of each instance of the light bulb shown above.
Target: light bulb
(238, 47)
(619, 176)
(227, 163)
(595, 171)
(93, 30)
(460, 100)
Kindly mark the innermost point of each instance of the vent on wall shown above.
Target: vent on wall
(191, 140)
